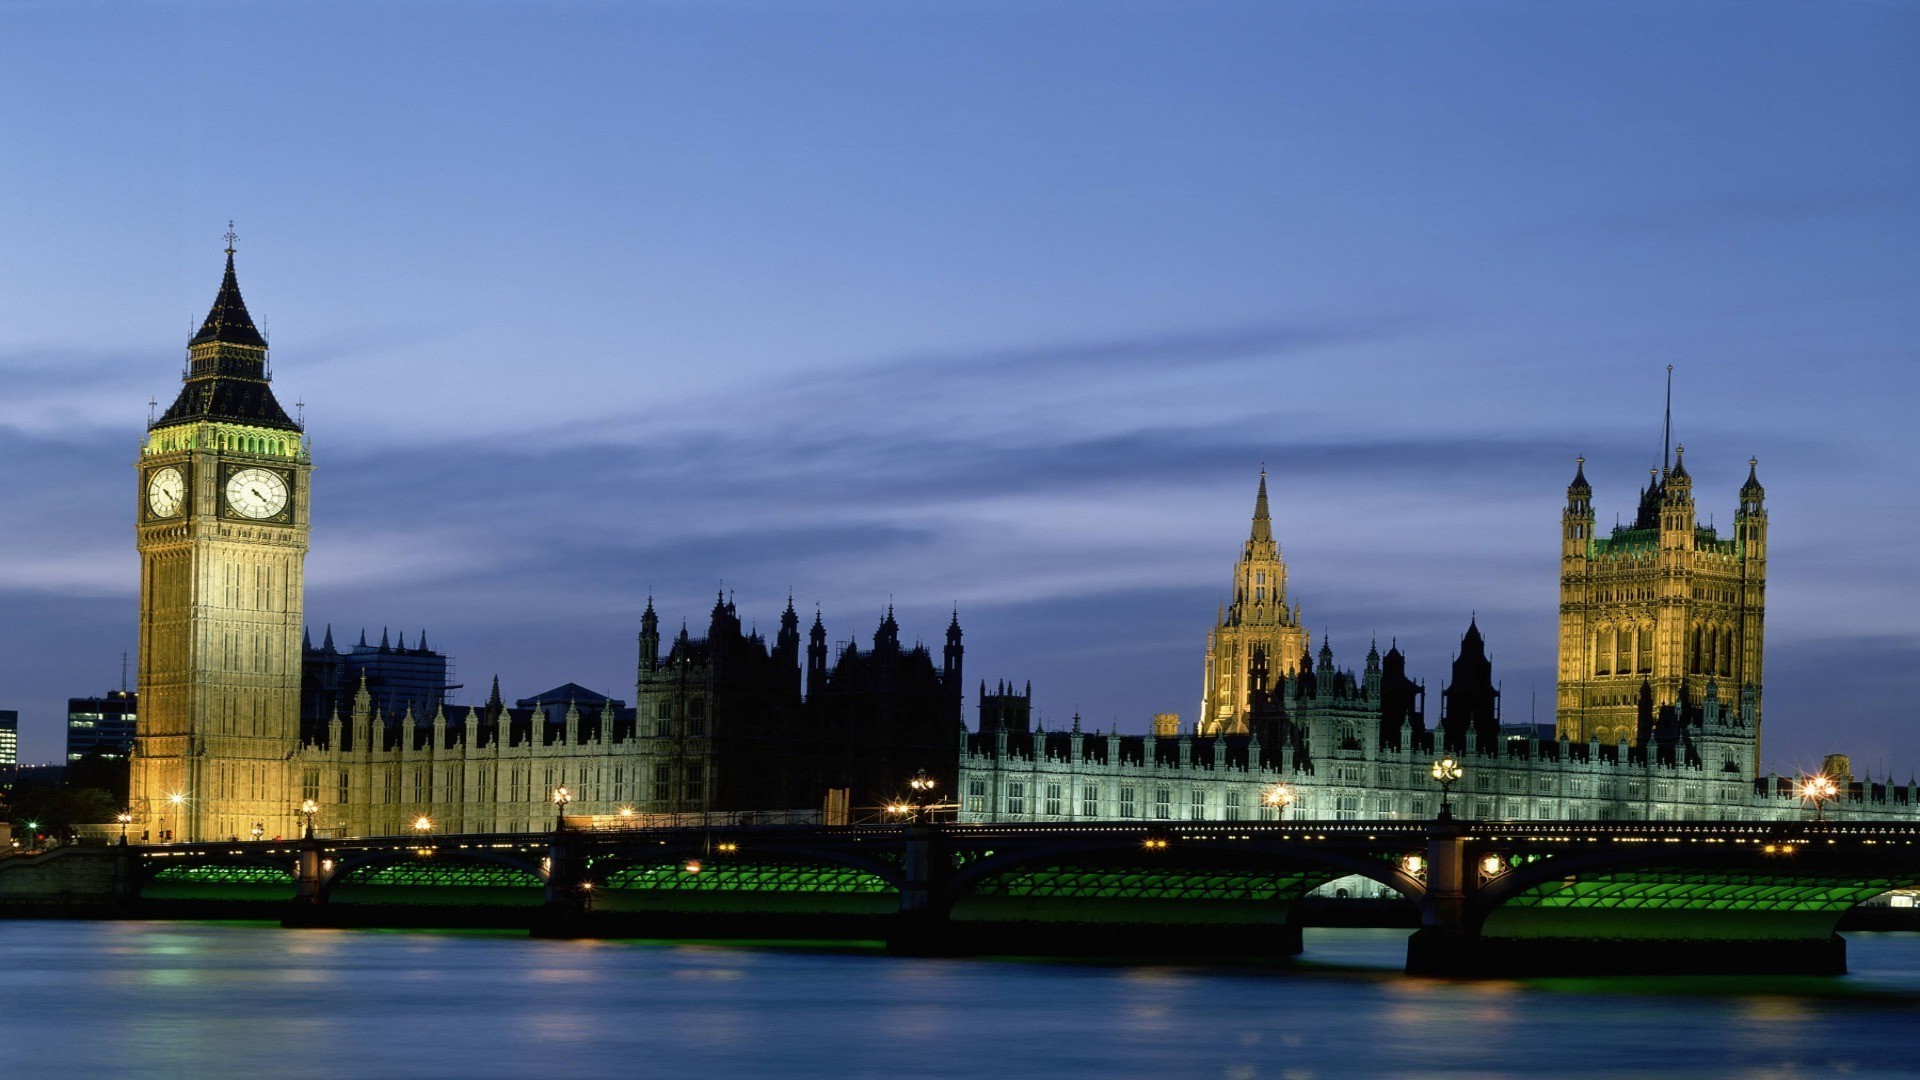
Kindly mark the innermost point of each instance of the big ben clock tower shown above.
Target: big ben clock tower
(222, 533)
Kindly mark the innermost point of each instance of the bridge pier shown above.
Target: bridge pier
(1444, 944)
(923, 926)
(567, 890)
(306, 875)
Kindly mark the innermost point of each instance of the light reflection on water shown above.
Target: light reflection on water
(219, 1001)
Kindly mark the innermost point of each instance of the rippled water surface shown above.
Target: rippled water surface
(208, 1000)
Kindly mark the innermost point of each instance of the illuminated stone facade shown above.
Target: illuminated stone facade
(1258, 620)
(1347, 746)
(719, 726)
(1658, 609)
(221, 523)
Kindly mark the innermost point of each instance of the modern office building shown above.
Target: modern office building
(102, 725)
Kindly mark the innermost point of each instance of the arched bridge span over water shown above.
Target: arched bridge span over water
(1492, 896)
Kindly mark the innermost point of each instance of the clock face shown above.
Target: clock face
(256, 493)
(166, 490)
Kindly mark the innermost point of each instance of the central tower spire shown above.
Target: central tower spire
(1262, 521)
(1256, 620)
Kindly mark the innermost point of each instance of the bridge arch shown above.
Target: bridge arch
(1281, 871)
(217, 876)
(1781, 891)
(432, 875)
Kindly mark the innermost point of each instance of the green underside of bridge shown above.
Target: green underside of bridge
(1680, 905)
(440, 882)
(782, 888)
(1137, 894)
(262, 883)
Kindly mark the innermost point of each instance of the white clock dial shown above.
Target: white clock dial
(256, 493)
(166, 490)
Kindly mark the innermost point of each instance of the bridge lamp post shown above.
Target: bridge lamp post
(177, 801)
(561, 797)
(1279, 796)
(1819, 790)
(922, 786)
(423, 824)
(1446, 771)
(307, 810)
(125, 818)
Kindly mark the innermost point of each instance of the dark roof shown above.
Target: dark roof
(229, 322)
(237, 400)
(571, 693)
(227, 376)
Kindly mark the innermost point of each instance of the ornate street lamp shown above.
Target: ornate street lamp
(1279, 796)
(259, 830)
(307, 810)
(125, 818)
(1446, 771)
(1819, 789)
(423, 824)
(922, 786)
(177, 801)
(561, 797)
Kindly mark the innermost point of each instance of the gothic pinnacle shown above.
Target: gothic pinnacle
(1262, 521)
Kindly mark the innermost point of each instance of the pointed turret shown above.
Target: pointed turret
(327, 642)
(1262, 520)
(228, 322)
(649, 638)
(1751, 490)
(227, 378)
(816, 657)
(954, 656)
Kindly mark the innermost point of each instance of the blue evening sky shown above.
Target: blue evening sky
(995, 305)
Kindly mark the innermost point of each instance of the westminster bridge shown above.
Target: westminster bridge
(1491, 897)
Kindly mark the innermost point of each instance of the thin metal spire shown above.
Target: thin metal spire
(1666, 435)
(230, 236)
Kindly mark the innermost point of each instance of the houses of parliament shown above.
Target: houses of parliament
(242, 721)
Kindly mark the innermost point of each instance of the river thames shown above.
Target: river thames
(221, 1000)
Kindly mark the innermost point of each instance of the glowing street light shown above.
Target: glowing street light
(1819, 789)
(125, 818)
(176, 800)
(922, 786)
(307, 810)
(561, 797)
(423, 824)
(1446, 771)
(1279, 796)
(259, 830)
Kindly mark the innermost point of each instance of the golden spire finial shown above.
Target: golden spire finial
(230, 236)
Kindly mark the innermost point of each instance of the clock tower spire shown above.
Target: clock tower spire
(222, 530)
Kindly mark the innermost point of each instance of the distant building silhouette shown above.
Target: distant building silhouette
(103, 726)
(398, 677)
